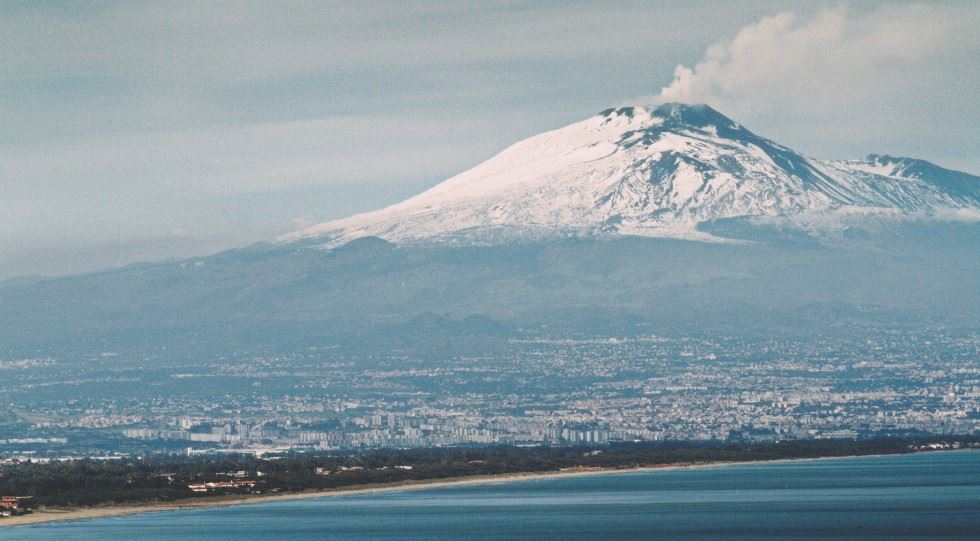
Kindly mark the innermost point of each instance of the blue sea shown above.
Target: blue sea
(921, 496)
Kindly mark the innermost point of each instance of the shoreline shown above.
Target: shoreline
(89, 513)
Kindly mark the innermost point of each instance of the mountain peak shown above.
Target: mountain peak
(677, 116)
(962, 186)
(697, 115)
(649, 172)
(883, 158)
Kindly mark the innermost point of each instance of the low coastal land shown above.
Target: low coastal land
(46, 514)
(58, 515)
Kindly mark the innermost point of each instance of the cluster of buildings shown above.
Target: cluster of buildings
(11, 506)
(219, 486)
(536, 392)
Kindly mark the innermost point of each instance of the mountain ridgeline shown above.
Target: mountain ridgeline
(659, 172)
(668, 220)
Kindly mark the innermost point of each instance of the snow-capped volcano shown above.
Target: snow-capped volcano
(650, 172)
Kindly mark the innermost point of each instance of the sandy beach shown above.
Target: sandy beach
(84, 513)
(58, 515)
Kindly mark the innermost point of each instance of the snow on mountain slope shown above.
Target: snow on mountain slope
(651, 172)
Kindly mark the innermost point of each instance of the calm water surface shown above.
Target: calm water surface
(923, 496)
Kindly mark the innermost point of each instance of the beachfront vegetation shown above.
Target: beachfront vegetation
(168, 478)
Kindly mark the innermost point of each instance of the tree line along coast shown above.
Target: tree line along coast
(170, 478)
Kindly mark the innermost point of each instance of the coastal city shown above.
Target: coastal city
(542, 391)
(501, 270)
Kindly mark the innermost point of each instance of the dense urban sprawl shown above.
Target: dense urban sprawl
(534, 391)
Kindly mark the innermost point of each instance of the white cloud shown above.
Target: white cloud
(960, 215)
(843, 80)
(301, 222)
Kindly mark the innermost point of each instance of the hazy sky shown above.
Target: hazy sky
(144, 130)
